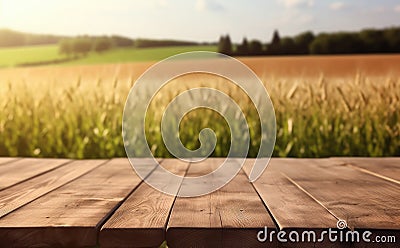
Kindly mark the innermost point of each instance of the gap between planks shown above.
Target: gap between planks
(387, 168)
(71, 215)
(134, 223)
(27, 169)
(229, 217)
(27, 191)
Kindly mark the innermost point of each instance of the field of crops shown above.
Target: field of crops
(325, 106)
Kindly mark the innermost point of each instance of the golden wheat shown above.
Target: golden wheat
(78, 115)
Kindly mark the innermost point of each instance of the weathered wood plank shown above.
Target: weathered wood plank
(291, 208)
(5, 160)
(229, 217)
(15, 197)
(363, 200)
(289, 205)
(58, 207)
(141, 220)
(385, 168)
(71, 215)
(23, 169)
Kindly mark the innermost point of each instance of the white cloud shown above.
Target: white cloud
(296, 3)
(202, 5)
(336, 5)
(397, 8)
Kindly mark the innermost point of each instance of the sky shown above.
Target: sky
(196, 20)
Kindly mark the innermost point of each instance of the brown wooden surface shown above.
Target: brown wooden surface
(351, 195)
(27, 191)
(88, 203)
(229, 217)
(142, 218)
(23, 169)
(290, 206)
(4, 160)
(385, 168)
(70, 216)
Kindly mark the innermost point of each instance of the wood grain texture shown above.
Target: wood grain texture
(385, 168)
(62, 203)
(17, 196)
(71, 215)
(5, 160)
(292, 208)
(229, 217)
(289, 205)
(24, 169)
(363, 200)
(141, 220)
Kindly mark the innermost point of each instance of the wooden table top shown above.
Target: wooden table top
(103, 203)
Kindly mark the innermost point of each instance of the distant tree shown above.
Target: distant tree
(276, 38)
(320, 44)
(303, 42)
(255, 47)
(221, 44)
(228, 44)
(120, 41)
(225, 45)
(243, 49)
(102, 44)
(142, 43)
(82, 45)
(287, 46)
(14, 38)
(274, 47)
(373, 41)
(38, 39)
(365, 41)
(11, 38)
(346, 43)
(392, 37)
(66, 47)
(337, 43)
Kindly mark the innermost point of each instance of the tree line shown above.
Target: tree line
(81, 46)
(366, 41)
(10, 38)
(147, 43)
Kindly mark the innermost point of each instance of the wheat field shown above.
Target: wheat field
(337, 106)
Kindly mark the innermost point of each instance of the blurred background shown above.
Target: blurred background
(331, 68)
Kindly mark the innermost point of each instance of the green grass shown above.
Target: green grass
(122, 55)
(13, 56)
(18, 55)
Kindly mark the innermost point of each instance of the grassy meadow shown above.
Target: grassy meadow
(30, 54)
(325, 106)
(18, 55)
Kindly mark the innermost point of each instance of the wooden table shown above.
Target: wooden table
(89, 203)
